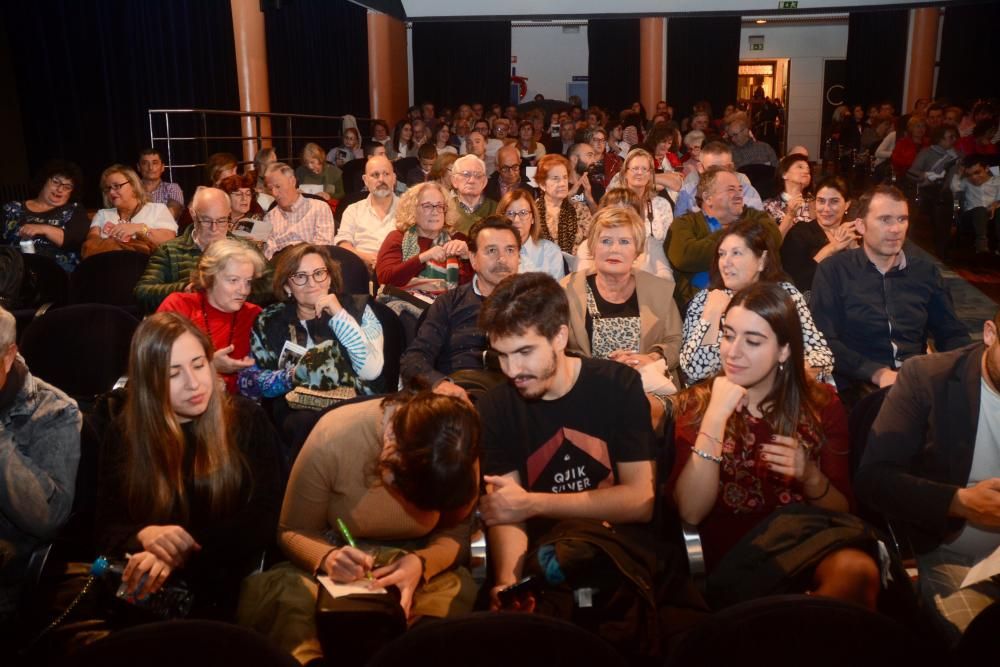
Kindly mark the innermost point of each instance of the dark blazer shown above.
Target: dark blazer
(920, 448)
(492, 190)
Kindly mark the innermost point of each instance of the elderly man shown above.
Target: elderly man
(876, 304)
(567, 137)
(468, 178)
(295, 219)
(715, 154)
(449, 339)
(169, 268)
(366, 223)
(509, 175)
(746, 149)
(692, 238)
(39, 453)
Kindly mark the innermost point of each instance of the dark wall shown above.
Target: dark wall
(968, 69)
(876, 57)
(461, 62)
(613, 63)
(703, 62)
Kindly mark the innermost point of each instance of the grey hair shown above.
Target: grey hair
(8, 328)
(279, 166)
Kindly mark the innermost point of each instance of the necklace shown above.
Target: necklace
(204, 317)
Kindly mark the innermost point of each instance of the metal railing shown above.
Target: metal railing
(184, 136)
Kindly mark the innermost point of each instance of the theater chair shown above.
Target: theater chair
(44, 285)
(762, 177)
(353, 270)
(110, 278)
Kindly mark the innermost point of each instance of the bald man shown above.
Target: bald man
(366, 223)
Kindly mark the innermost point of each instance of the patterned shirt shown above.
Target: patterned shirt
(166, 192)
(308, 221)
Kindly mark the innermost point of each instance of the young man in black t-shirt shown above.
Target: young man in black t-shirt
(566, 438)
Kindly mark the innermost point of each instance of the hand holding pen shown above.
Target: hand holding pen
(349, 563)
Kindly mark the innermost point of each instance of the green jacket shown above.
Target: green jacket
(690, 247)
(466, 220)
(169, 270)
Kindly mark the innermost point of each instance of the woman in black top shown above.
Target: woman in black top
(809, 243)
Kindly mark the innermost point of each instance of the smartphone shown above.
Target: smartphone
(508, 596)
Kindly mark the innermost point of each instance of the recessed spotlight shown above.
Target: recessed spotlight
(760, 21)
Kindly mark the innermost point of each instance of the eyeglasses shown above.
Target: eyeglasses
(114, 187)
(430, 208)
(598, 140)
(639, 170)
(208, 223)
(507, 168)
(523, 213)
(64, 186)
(471, 175)
(301, 278)
(241, 193)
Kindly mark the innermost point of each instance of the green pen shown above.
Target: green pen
(350, 541)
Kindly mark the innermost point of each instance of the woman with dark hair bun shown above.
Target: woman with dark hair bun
(189, 477)
(762, 436)
(403, 475)
(795, 203)
(53, 223)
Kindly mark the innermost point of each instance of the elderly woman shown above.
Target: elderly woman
(129, 222)
(746, 255)
(420, 254)
(693, 141)
(316, 174)
(809, 243)
(245, 211)
(537, 254)
(53, 223)
(617, 312)
(339, 333)
(403, 475)
(218, 304)
(562, 220)
(795, 203)
(907, 146)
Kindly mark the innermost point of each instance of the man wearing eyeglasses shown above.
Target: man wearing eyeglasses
(468, 178)
(746, 149)
(366, 223)
(170, 266)
(509, 175)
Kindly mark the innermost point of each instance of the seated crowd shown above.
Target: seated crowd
(625, 338)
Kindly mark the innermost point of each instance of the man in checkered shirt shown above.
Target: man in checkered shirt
(295, 219)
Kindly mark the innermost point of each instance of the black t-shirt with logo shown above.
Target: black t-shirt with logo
(572, 443)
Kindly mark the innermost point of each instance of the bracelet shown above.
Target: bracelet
(711, 437)
(826, 490)
(706, 455)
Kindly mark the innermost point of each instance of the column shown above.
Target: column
(387, 66)
(652, 81)
(251, 72)
(923, 56)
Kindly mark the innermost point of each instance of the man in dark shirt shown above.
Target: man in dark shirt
(566, 438)
(449, 339)
(877, 304)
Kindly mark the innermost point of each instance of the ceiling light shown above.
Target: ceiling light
(760, 21)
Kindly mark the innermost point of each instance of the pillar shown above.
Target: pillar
(652, 82)
(251, 72)
(923, 56)
(389, 93)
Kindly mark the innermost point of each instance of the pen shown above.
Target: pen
(350, 541)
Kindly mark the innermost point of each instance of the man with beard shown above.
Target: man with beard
(566, 438)
(933, 463)
(583, 187)
(449, 346)
(366, 223)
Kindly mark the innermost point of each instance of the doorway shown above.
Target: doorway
(762, 91)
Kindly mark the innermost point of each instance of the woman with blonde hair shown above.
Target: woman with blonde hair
(218, 303)
(189, 477)
(129, 221)
(537, 254)
(315, 173)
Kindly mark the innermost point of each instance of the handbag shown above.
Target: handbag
(304, 398)
(353, 628)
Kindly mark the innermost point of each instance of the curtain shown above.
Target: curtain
(461, 62)
(876, 57)
(703, 60)
(613, 64)
(968, 70)
(87, 71)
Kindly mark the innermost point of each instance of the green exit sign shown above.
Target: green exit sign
(756, 47)
(788, 4)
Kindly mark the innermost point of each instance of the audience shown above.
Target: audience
(294, 219)
(349, 149)
(531, 149)
(220, 166)
(509, 176)
(426, 156)
(877, 304)
(907, 146)
(157, 190)
(714, 154)
(246, 218)
(218, 304)
(129, 222)
(562, 220)
(468, 180)
(795, 203)
(39, 453)
(980, 198)
(931, 463)
(746, 149)
(366, 223)
(537, 254)
(189, 479)
(52, 224)
(317, 176)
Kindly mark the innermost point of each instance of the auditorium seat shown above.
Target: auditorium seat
(109, 278)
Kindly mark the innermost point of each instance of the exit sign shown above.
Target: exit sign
(756, 47)
(788, 4)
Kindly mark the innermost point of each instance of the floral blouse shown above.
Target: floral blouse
(776, 207)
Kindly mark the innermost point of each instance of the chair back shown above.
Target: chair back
(393, 340)
(44, 282)
(353, 270)
(762, 177)
(82, 349)
(110, 278)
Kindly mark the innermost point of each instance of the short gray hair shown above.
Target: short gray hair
(8, 329)
(205, 192)
(468, 158)
(279, 166)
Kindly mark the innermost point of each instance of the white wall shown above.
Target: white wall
(549, 58)
(807, 47)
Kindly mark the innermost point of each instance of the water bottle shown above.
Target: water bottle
(172, 601)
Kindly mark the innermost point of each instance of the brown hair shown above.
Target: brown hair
(218, 163)
(547, 162)
(287, 262)
(153, 476)
(522, 301)
(865, 200)
(758, 240)
(520, 194)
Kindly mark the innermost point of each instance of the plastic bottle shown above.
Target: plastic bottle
(171, 601)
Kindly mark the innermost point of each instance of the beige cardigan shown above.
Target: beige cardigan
(658, 317)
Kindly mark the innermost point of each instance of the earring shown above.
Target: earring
(288, 293)
(781, 366)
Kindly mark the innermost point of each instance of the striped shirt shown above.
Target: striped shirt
(308, 221)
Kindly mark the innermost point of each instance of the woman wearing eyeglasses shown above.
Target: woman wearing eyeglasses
(537, 254)
(245, 212)
(53, 223)
(562, 220)
(218, 304)
(129, 222)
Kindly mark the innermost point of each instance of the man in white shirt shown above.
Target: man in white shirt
(366, 223)
(981, 197)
